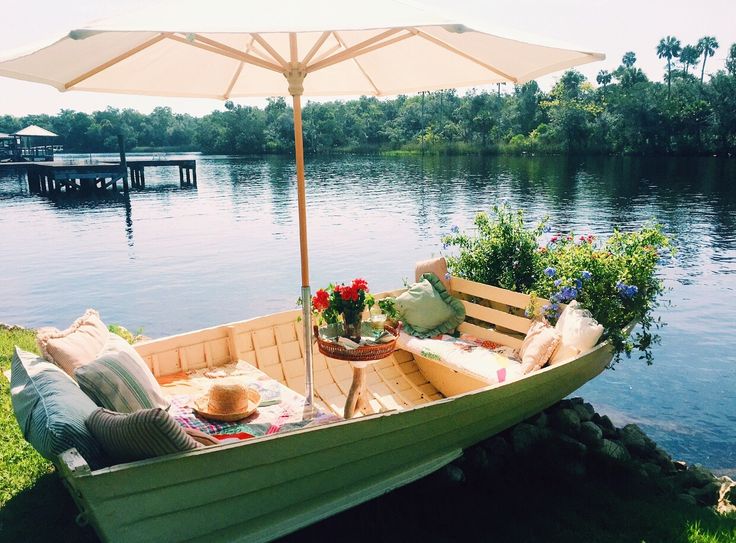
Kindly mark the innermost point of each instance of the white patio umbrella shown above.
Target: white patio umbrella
(235, 48)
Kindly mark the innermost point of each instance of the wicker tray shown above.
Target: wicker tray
(363, 353)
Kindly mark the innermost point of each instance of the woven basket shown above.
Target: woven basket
(361, 354)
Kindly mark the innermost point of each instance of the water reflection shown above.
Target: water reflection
(186, 259)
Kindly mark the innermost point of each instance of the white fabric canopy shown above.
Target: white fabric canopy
(230, 48)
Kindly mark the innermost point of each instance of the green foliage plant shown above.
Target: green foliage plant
(615, 279)
(500, 252)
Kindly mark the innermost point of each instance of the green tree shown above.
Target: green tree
(708, 46)
(604, 78)
(669, 48)
(731, 60)
(689, 57)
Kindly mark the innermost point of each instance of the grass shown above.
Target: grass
(525, 504)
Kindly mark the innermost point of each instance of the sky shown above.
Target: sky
(609, 26)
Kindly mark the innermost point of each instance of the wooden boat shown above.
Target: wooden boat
(263, 488)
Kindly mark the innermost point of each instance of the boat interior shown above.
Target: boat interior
(184, 364)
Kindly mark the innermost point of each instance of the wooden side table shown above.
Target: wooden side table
(356, 395)
(359, 359)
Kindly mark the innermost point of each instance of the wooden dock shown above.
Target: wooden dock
(53, 177)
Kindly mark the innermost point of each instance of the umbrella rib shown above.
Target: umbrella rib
(316, 47)
(221, 49)
(352, 51)
(271, 51)
(465, 55)
(360, 67)
(114, 61)
(238, 71)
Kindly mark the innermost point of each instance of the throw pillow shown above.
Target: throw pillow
(579, 333)
(540, 342)
(427, 309)
(127, 437)
(120, 380)
(51, 409)
(75, 346)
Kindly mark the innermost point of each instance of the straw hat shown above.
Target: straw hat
(227, 402)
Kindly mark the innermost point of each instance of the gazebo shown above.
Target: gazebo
(34, 143)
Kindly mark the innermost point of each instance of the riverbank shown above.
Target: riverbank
(604, 484)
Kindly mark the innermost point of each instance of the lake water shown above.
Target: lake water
(170, 259)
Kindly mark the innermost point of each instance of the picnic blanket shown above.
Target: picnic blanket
(281, 409)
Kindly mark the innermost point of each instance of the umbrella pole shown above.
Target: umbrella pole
(296, 88)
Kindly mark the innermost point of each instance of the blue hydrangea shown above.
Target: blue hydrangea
(455, 229)
(586, 275)
(578, 284)
(558, 282)
(566, 294)
(447, 276)
(550, 272)
(626, 291)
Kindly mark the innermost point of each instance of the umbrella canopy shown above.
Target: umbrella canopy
(235, 48)
(232, 48)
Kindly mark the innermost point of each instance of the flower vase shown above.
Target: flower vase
(352, 323)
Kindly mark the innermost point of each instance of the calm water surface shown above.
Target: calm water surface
(170, 259)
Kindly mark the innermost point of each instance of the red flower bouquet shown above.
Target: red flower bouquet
(343, 303)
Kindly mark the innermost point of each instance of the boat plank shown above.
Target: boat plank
(499, 318)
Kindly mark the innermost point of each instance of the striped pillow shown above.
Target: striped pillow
(127, 437)
(119, 379)
(51, 409)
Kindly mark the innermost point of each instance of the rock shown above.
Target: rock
(452, 475)
(652, 470)
(566, 421)
(687, 498)
(662, 459)
(539, 420)
(708, 495)
(524, 437)
(731, 496)
(476, 459)
(576, 401)
(680, 465)
(568, 446)
(636, 441)
(612, 451)
(583, 412)
(591, 434)
(697, 476)
(605, 424)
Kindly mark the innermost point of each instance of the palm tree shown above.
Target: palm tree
(689, 56)
(708, 46)
(629, 59)
(604, 78)
(669, 48)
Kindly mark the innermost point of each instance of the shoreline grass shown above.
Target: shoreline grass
(525, 504)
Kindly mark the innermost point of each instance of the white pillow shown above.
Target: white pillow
(579, 330)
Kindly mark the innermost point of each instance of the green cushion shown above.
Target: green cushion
(427, 309)
(51, 409)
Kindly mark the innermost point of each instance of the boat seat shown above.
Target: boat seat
(483, 361)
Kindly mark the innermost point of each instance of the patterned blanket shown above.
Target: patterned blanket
(281, 409)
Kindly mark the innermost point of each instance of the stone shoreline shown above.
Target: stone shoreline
(574, 441)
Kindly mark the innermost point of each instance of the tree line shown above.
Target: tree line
(626, 113)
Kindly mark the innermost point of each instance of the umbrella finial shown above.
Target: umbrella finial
(295, 76)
